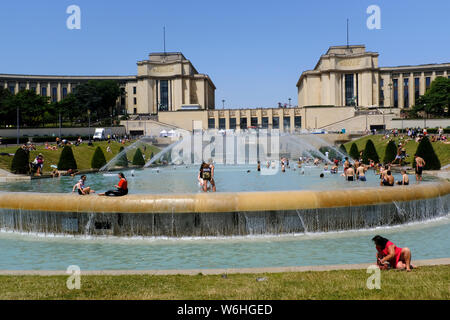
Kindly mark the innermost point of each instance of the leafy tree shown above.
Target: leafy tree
(343, 149)
(67, 160)
(122, 160)
(138, 159)
(425, 150)
(7, 114)
(390, 153)
(21, 163)
(436, 101)
(31, 107)
(370, 153)
(98, 159)
(354, 153)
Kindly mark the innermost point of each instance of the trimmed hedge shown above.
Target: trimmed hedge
(122, 160)
(67, 160)
(138, 159)
(370, 153)
(354, 152)
(391, 152)
(98, 159)
(425, 150)
(21, 162)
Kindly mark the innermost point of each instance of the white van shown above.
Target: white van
(101, 133)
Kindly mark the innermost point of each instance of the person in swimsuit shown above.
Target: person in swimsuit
(350, 173)
(405, 179)
(388, 180)
(420, 164)
(360, 173)
(82, 189)
(389, 255)
(121, 188)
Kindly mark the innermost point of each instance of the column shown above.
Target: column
(27, 85)
(188, 87)
(333, 84)
(411, 89)
(38, 88)
(58, 92)
(343, 89)
(16, 90)
(69, 88)
(401, 103)
(49, 89)
(422, 84)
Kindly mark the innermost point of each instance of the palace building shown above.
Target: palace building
(165, 82)
(346, 90)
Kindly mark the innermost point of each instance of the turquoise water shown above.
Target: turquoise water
(181, 179)
(427, 240)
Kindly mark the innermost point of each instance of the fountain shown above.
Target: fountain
(249, 203)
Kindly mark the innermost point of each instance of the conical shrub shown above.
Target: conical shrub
(425, 150)
(21, 162)
(370, 153)
(67, 160)
(354, 153)
(390, 153)
(138, 159)
(343, 149)
(122, 160)
(98, 159)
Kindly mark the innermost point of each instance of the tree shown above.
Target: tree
(7, 114)
(122, 160)
(370, 153)
(138, 159)
(67, 160)
(354, 153)
(390, 153)
(436, 101)
(21, 163)
(98, 159)
(425, 150)
(31, 107)
(343, 149)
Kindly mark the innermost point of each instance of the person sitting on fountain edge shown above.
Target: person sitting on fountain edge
(121, 188)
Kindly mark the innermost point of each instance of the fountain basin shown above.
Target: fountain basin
(223, 214)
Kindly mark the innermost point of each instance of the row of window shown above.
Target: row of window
(54, 91)
(254, 123)
(406, 91)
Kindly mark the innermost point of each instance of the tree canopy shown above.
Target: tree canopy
(436, 101)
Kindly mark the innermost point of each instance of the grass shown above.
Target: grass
(83, 154)
(442, 150)
(420, 284)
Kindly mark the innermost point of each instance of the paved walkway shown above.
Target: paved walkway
(419, 263)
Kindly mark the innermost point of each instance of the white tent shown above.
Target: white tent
(171, 133)
(163, 133)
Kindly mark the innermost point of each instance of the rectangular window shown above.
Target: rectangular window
(287, 123)
(134, 90)
(222, 123)
(64, 93)
(233, 123)
(135, 101)
(54, 94)
(164, 94)
(33, 89)
(349, 90)
(135, 110)
(395, 81)
(22, 88)
(427, 83)
(276, 123)
(44, 91)
(406, 93)
(254, 122)
(297, 122)
(211, 123)
(381, 93)
(12, 89)
(416, 89)
(265, 123)
(243, 123)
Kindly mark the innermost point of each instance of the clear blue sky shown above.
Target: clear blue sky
(254, 51)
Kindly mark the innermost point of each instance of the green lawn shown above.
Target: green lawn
(442, 150)
(83, 154)
(421, 283)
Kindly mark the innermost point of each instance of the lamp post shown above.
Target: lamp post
(89, 125)
(18, 125)
(223, 103)
(289, 102)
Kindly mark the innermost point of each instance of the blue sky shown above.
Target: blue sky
(254, 51)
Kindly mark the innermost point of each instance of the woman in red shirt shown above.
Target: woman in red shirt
(122, 188)
(398, 258)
